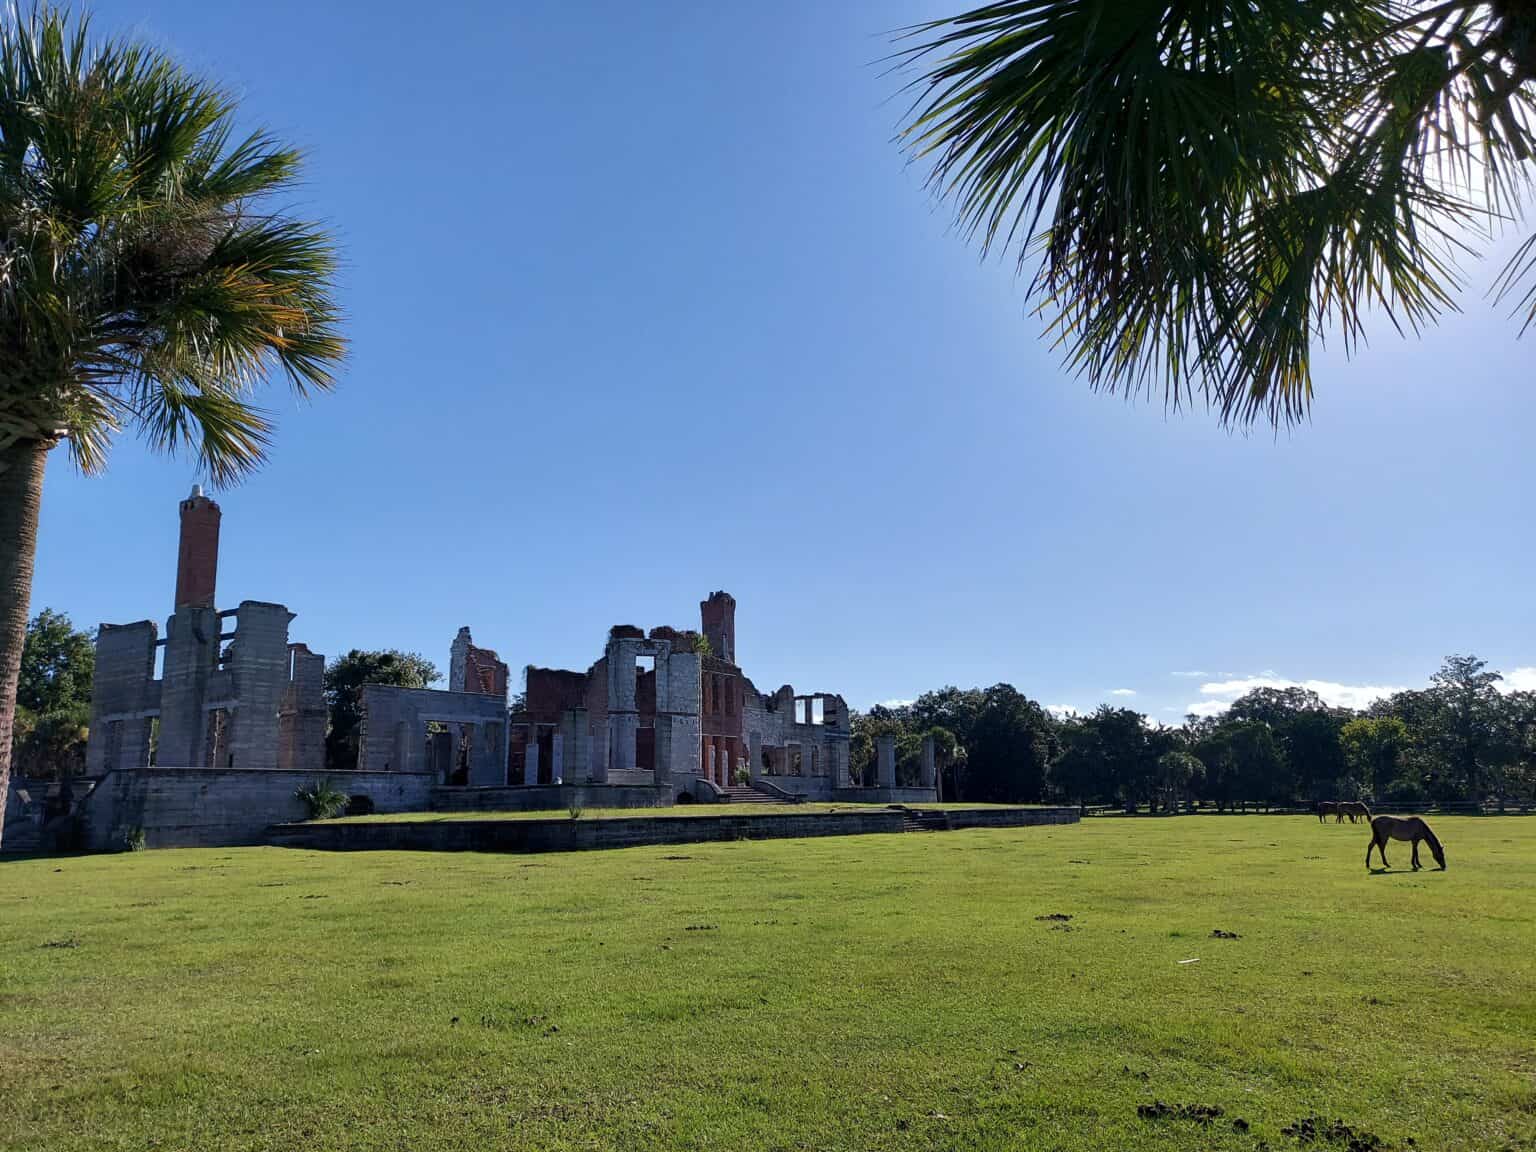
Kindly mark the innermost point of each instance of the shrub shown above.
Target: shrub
(134, 840)
(575, 807)
(322, 799)
(359, 804)
(743, 776)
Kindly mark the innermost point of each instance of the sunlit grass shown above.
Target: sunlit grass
(838, 993)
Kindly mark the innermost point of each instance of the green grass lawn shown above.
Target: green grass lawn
(682, 810)
(841, 993)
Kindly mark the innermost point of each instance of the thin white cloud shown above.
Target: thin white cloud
(1207, 707)
(1123, 692)
(1519, 680)
(1221, 693)
(1063, 709)
(1195, 675)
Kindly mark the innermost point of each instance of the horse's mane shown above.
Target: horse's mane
(1429, 834)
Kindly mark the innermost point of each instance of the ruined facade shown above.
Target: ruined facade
(233, 691)
(671, 708)
(660, 715)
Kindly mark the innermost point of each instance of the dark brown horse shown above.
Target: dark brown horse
(1355, 810)
(1411, 828)
(1325, 809)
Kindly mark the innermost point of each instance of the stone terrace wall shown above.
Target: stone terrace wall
(213, 807)
(547, 797)
(567, 835)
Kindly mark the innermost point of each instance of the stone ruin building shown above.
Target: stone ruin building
(214, 748)
(233, 691)
(672, 707)
(660, 710)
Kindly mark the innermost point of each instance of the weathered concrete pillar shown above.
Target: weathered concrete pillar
(258, 668)
(841, 777)
(556, 759)
(709, 769)
(125, 699)
(191, 659)
(622, 727)
(664, 751)
(531, 758)
(927, 775)
(754, 756)
(576, 757)
(599, 756)
(885, 764)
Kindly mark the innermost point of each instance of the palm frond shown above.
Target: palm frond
(1207, 189)
(145, 280)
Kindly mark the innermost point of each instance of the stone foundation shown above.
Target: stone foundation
(567, 835)
(214, 807)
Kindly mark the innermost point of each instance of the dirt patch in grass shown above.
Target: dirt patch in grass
(1315, 1130)
(1199, 1113)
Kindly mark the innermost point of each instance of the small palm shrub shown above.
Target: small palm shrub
(322, 800)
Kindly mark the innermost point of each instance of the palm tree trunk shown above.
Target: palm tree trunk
(21, 498)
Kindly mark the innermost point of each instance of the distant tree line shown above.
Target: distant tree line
(1460, 739)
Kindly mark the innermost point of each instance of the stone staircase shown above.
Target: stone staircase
(913, 820)
(746, 794)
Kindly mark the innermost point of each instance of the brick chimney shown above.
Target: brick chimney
(197, 560)
(718, 615)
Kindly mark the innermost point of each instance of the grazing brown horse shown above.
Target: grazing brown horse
(1411, 828)
(1325, 809)
(1355, 810)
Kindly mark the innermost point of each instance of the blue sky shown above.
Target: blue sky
(644, 302)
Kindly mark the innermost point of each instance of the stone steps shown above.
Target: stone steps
(739, 794)
(923, 821)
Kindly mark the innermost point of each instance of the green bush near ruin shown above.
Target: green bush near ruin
(1013, 989)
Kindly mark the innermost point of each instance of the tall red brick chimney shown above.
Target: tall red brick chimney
(718, 615)
(197, 560)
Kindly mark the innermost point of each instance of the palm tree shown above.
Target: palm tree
(1211, 186)
(144, 281)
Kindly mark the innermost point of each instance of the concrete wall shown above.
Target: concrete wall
(125, 697)
(547, 798)
(212, 807)
(394, 730)
(564, 835)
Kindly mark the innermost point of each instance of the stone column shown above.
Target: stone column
(622, 727)
(709, 769)
(754, 757)
(886, 760)
(927, 776)
(557, 759)
(531, 758)
(840, 776)
(664, 752)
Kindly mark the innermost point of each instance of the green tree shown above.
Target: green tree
(1012, 741)
(57, 664)
(1373, 751)
(1307, 732)
(1210, 187)
(1466, 732)
(53, 698)
(1243, 763)
(344, 680)
(1177, 771)
(146, 280)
